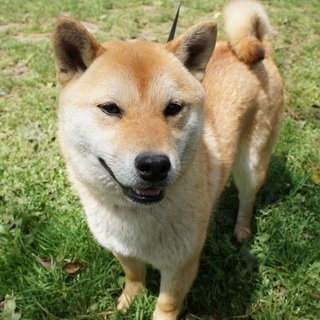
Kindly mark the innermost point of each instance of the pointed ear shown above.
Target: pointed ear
(74, 48)
(194, 47)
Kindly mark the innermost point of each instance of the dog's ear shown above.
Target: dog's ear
(195, 46)
(74, 48)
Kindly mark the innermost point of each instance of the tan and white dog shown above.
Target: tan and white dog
(151, 134)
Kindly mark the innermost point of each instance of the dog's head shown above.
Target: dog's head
(130, 114)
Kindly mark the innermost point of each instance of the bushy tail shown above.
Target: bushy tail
(247, 27)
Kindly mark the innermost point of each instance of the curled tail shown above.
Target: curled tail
(247, 27)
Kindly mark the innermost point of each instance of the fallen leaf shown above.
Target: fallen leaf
(9, 312)
(72, 267)
(281, 288)
(308, 236)
(296, 116)
(46, 263)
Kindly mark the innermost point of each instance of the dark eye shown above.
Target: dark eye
(111, 109)
(172, 110)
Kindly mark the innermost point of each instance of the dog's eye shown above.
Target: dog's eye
(111, 109)
(172, 110)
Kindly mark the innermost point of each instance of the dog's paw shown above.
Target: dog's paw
(123, 303)
(127, 296)
(242, 232)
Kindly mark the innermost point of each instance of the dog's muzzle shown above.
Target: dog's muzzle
(151, 168)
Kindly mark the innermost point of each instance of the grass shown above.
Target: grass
(51, 268)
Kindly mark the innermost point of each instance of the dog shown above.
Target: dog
(151, 134)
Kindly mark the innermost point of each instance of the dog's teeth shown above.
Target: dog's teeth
(148, 192)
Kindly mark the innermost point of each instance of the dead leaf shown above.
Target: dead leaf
(308, 236)
(9, 312)
(281, 288)
(296, 116)
(46, 263)
(72, 267)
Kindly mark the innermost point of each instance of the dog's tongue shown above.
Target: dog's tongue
(148, 192)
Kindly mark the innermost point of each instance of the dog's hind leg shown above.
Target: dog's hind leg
(135, 272)
(249, 172)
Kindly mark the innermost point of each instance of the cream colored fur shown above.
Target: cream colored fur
(248, 37)
(116, 105)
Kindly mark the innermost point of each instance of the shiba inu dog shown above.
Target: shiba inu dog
(152, 133)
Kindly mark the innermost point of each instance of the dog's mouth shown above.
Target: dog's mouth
(140, 195)
(144, 195)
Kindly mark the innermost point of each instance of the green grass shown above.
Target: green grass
(275, 275)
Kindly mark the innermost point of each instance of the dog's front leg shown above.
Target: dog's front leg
(135, 272)
(175, 284)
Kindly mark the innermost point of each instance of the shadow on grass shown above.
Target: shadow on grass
(228, 274)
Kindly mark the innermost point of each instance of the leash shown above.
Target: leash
(174, 25)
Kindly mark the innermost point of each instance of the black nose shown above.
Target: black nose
(153, 168)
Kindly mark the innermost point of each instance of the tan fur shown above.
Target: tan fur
(116, 122)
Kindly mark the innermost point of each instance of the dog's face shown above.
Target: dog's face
(130, 113)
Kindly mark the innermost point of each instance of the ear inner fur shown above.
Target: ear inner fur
(74, 47)
(194, 47)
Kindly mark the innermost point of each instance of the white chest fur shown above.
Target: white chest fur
(161, 235)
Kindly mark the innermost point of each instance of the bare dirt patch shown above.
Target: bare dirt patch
(33, 37)
(91, 27)
(13, 30)
(6, 27)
